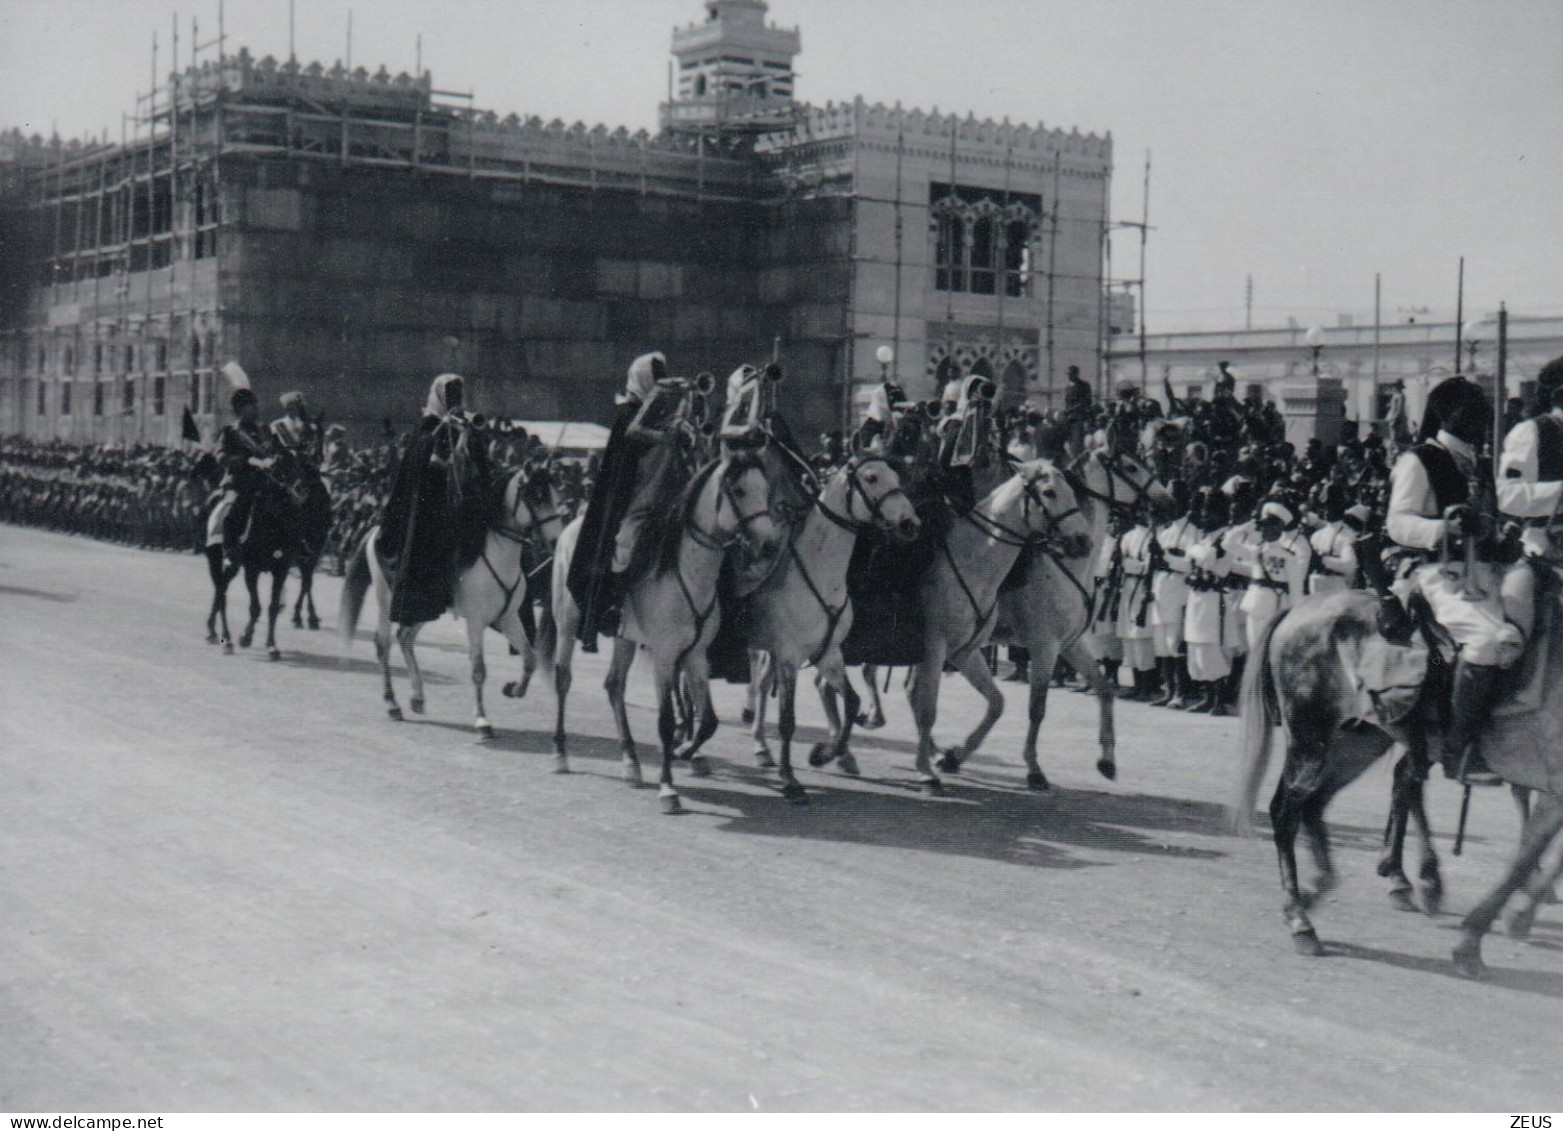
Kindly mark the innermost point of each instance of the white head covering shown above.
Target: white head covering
(1275, 509)
(237, 377)
(436, 405)
(642, 378)
(737, 379)
(878, 405)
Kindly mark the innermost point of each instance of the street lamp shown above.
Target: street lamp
(886, 357)
(1315, 339)
(1472, 332)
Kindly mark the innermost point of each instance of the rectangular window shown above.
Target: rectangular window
(43, 397)
(195, 392)
(950, 254)
(65, 398)
(130, 395)
(158, 389)
(97, 398)
(982, 256)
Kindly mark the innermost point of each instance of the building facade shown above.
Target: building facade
(351, 234)
(1357, 367)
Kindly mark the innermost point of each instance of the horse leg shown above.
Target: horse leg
(701, 715)
(251, 583)
(762, 673)
(922, 694)
(1544, 827)
(786, 725)
(1391, 860)
(279, 582)
(833, 677)
(298, 605)
(1318, 833)
(974, 666)
(1537, 891)
(214, 567)
(306, 575)
(406, 636)
(1285, 817)
(1040, 676)
(666, 728)
(1079, 655)
(1432, 882)
(475, 630)
(1548, 892)
(614, 683)
(876, 715)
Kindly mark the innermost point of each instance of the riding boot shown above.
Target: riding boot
(1143, 686)
(1169, 679)
(1225, 688)
(610, 604)
(1475, 688)
(1183, 697)
(1233, 682)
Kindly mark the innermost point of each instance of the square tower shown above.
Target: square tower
(734, 71)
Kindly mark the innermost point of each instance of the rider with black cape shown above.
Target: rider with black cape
(440, 506)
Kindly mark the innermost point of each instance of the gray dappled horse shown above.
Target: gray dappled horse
(1322, 669)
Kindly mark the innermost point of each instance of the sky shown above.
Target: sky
(1309, 145)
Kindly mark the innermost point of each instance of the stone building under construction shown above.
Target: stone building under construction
(352, 234)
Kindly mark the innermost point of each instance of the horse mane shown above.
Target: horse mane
(736, 463)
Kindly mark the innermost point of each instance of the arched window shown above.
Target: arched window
(949, 250)
(1017, 258)
(1013, 387)
(982, 255)
(982, 367)
(946, 372)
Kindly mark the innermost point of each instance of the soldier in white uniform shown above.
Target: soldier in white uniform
(1137, 549)
(1241, 544)
(1169, 596)
(1279, 572)
(1530, 472)
(1441, 514)
(1335, 552)
(1108, 583)
(1208, 625)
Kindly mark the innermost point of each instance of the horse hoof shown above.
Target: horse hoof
(632, 774)
(763, 759)
(671, 805)
(298, 622)
(700, 766)
(1468, 959)
(819, 755)
(848, 764)
(950, 763)
(794, 793)
(1107, 768)
(395, 713)
(1432, 900)
(1307, 944)
(1520, 923)
(227, 647)
(748, 716)
(1037, 781)
(274, 654)
(1401, 898)
(511, 690)
(933, 787)
(314, 624)
(212, 638)
(246, 640)
(561, 764)
(486, 732)
(416, 705)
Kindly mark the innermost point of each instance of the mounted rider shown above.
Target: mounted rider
(643, 468)
(1530, 471)
(246, 454)
(440, 505)
(295, 433)
(1441, 513)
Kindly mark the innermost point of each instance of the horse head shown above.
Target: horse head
(735, 509)
(873, 483)
(1119, 479)
(1051, 507)
(531, 506)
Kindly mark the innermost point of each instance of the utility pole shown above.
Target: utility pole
(1459, 314)
(1248, 304)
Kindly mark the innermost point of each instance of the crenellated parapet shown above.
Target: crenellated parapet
(266, 80)
(916, 127)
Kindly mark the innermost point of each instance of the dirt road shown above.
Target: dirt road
(233, 884)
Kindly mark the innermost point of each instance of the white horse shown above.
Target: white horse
(671, 612)
(487, 594)
(802, 613)
(1050, 613)
(960, 596)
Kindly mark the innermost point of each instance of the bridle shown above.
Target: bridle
(528, 536)
(740, 536)
(855, 490)
(1112, 464)
(1025, 538)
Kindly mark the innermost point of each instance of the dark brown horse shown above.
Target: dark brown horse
(1340, 692)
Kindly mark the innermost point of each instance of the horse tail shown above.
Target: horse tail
(354, 588)
(1260, 709)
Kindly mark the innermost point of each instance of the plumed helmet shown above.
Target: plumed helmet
(1448, 399)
